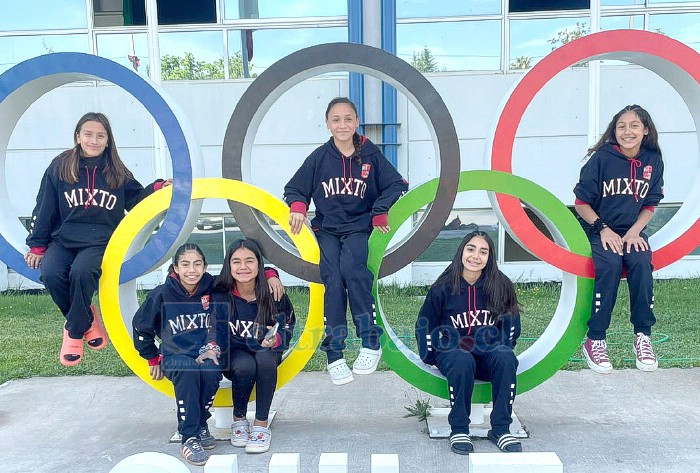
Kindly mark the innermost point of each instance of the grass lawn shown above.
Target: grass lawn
(31, 335)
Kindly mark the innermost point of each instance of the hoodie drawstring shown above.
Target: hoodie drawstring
(634, 164)
(90, 185)
(471, 306)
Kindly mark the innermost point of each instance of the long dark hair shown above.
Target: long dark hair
(500, 294)
(115, 172)
(650, 141)
(181, 251)
(225, 282)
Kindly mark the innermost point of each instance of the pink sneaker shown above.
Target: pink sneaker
(646, 358)
(596, 354)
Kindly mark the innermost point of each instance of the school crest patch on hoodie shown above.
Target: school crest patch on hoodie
(365, 170)
(647, 172)
(205, 302)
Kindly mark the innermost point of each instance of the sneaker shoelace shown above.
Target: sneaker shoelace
(194, 446)
(644, 348)
(600, 351)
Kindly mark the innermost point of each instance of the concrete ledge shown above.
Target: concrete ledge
(525, 462)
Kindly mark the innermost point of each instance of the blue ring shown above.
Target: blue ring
(89, 67)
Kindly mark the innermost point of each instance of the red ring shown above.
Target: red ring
(587, 47)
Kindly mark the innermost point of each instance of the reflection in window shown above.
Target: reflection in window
(626, 22)
(431, 8)
(265, 47)
(609, 3)
(35, 15)
(513, 252)
(651, 2)
(129, 50)
(170, 12)
(662, 215)
(543, 5)
(15, 49)
(118, 13)
(533, 39)
(192, 56)
(684, 27)
(459, 224)
(236, 9)
(450, 46)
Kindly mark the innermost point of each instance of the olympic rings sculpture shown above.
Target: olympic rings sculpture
(23, 84)
(673, 61)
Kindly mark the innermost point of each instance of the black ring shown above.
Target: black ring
(309, 62)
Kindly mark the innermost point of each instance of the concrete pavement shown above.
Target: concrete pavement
(628, 421)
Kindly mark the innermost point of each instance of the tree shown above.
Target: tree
(521, 62)
(188, 68)
(565, 36)
(235, 66)
(424, 61)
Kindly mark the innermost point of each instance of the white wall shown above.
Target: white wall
(549, 149)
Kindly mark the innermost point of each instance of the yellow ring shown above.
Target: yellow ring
(149, 210)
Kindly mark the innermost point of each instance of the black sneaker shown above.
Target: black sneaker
(461, 444)
(505, 442)
(207, 439)
(193, 452)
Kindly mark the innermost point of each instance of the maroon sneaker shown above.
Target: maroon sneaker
(646, 358)
(596, 354)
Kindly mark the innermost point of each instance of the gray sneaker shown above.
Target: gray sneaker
(259, 441)
(240, 433)
(207, 439)
(193, 452)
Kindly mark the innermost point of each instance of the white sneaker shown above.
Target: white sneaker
(367, 361)
(240, 433)
(340, 372)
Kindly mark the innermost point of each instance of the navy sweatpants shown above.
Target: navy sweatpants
(608, 270)
(70, 277)
(195, 388)
(250, 368)
(461, 367)
(345, 276)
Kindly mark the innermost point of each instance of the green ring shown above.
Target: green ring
(559, 340)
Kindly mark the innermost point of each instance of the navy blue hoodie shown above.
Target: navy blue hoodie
(235, 322)
(347, 192)
(452, 321)
(617, 187)
(83, 214)
(181, 321)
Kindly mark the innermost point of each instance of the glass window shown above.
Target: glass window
(236, 9)
(269, 46)
(431, 8)
(513, 252)
(625, 22)
(544, 5)
(611, 3)
(684, 27)
(208, 235)
(460, 223)
(192, 56)
(15, 49)
(130, 50)
(651, 2)
(35, 15)
(533, 39)
(118, 13)
(450, 46)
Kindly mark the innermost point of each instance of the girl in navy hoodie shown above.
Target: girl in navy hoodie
(619, 188)
(353, 186)
(178, 312)
(83, 196)
(467, 328)
(253, 331)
